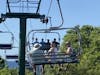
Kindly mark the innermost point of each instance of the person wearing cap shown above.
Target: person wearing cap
(48, 44)
(69, 49)
(35, 48)
(33, 53)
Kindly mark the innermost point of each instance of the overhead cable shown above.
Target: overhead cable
(49, 7)
(8, 6)
(38, 6)
(60, 13)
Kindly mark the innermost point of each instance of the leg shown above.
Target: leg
(34, 69)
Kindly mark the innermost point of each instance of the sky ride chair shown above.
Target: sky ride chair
(6, 43)
(61, 56)
(7, 46)
(44, 48)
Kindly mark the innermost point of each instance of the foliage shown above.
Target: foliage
(2, 63)
(6, 71)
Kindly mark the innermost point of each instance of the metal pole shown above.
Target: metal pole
(22, 46)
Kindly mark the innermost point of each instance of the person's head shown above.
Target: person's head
(36, 39)
(54, 40)
(42, 39)
(48, 40)
(36, 46)
(68, 44)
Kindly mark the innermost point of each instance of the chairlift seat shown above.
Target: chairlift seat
(11, 56)
(5, 46)
(57, 59)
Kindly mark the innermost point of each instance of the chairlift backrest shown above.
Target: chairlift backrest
(7, 45)
(46, 45)
(30, 40)
(11, 56)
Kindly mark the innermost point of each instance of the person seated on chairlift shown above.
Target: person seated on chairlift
(48, 44)
(36, 41)
(53, 51)
(35, 49)
(31, 53)
(43, 44)
(69, 50)
(53, 48)
(57, 43)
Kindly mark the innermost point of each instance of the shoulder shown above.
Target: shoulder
(70, 48)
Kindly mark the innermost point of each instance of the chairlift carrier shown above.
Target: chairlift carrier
(61, 57)
(7, 45)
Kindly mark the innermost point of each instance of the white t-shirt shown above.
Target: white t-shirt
(53, 50)
(69, 50)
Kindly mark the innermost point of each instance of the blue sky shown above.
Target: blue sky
(75, 12)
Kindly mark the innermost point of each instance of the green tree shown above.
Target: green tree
(6, 71)
(2, 63)
(90, 59)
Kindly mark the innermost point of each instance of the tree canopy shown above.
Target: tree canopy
(2, 63)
